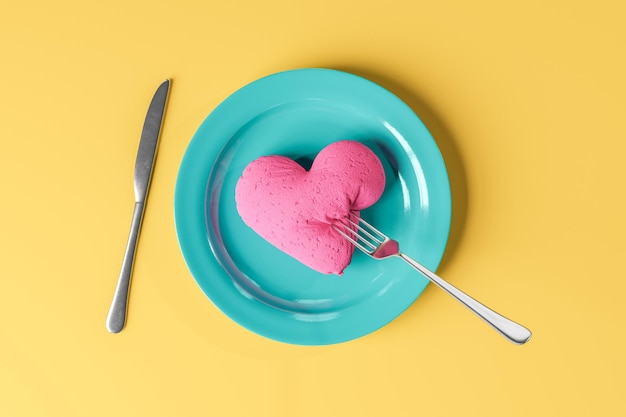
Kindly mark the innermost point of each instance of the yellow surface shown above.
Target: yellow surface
(527, 101)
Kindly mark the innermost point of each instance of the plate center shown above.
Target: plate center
(299, 130)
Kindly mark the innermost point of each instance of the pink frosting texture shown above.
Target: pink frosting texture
(294, 209)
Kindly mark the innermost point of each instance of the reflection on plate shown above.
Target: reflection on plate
(297, 113)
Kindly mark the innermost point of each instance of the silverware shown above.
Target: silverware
(379, 246)
(143, 173)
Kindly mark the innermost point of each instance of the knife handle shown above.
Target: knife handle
(119, 306)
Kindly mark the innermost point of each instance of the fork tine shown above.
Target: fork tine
(381, 236)
(361, 234)
(355, 234)
(365, 232)
(372, 228)
(354, 242)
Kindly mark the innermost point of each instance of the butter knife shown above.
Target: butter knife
(143, 173)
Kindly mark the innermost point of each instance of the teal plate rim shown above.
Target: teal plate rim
(259, 287)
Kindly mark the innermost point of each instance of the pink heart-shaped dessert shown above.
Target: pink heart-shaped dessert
(294, 209)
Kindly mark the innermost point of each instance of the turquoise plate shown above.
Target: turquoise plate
(296, 113)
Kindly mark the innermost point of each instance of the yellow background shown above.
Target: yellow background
(527, 101)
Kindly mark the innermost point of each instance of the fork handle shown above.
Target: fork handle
(516, 333)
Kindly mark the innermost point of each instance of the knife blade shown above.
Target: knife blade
(146, 156)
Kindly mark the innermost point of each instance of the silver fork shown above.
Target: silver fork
(372, 242)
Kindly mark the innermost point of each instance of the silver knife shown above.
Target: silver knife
(143, 173)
